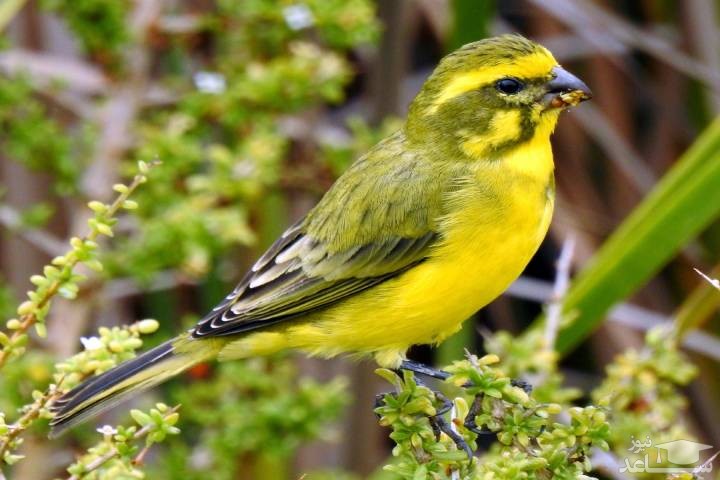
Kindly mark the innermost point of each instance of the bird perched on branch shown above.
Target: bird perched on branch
(422, 231)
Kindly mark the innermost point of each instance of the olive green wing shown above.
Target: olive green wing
(377, 221)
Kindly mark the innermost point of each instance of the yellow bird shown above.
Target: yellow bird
(426, 228)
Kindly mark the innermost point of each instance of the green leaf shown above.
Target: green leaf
(140, 417)
(684, 202)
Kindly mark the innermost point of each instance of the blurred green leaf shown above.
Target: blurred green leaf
(684, 202)
(471, 21)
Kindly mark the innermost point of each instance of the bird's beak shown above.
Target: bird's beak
(565, 90)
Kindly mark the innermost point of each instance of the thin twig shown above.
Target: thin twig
(28, 417)
(30, 319)
(625, 314)
(704, 37)
(100, 461)
(120, 109)
(701, 468)
(45, 69)
(712, 281)
(560, 288)
(567, 47)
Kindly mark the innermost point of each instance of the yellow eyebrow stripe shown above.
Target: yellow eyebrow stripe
(535, 65)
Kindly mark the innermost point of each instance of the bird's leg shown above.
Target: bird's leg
(526, 386)
(440, 425)
(470, 423)
(423, 369)
(437, 421)
(429, 371)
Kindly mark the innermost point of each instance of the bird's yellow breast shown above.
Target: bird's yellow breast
(499, 216)
(488, 240)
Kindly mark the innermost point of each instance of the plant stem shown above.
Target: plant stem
(30, 319)
(100, 461)
(27, 418)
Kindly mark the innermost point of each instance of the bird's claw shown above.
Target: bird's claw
(470, 422)
(440, 425)
(428, 371)
(437, 421)
(526, 386)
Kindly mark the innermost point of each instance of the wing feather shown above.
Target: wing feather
(377, 221)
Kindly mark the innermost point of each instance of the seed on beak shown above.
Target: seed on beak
(565, 90)
(569, 99)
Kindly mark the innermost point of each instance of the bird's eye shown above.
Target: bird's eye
(509, 86)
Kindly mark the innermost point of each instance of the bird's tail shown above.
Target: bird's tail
(104, 391)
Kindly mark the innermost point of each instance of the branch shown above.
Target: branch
(44, 69)
(32, 311)
(712, 281)
(30, 415)
(560, 288)
(100, 461)
(626, 314)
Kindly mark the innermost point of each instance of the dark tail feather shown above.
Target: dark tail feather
(100, 393)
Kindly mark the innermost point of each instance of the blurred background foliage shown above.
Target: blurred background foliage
(253, 107)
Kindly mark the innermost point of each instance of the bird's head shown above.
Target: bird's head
(493, 95)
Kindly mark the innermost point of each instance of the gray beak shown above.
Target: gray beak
(565, 90)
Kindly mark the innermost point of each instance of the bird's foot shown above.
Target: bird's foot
(440, 425)
(470, 422)
(437, 421)
(423, 369)
(428, 371)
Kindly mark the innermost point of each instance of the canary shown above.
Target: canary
(429, 226)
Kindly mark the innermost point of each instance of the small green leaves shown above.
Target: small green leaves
(97, 207)
(60, 278)
(147, 326)
(13, 324)
(118, 455)
(143, 167)
(532, 441)
(36, 138)
(407, 411)
(101, 353)
(140, 417)
(25, 308)
(226, 155)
